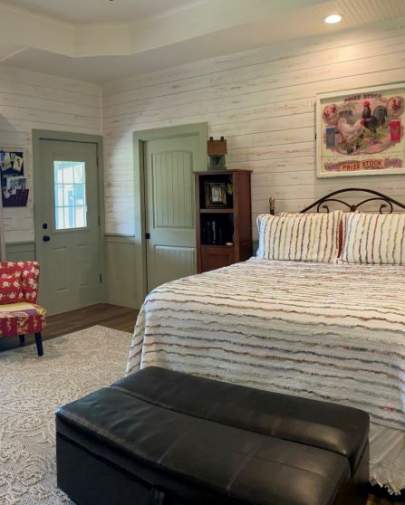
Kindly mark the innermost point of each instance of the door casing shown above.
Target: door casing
(37, 137)
(198, 129)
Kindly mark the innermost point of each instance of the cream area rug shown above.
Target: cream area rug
(31, 389)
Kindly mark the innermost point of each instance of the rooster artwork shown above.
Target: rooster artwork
(361, 132)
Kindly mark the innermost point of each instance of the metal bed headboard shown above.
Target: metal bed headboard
(387, 204)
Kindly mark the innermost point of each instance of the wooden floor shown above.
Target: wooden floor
(120, 318)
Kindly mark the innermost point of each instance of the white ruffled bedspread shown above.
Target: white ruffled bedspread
(323, 331)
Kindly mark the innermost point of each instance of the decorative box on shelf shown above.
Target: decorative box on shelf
(224, 218)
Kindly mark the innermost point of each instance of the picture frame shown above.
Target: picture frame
(13, 182)
(216, 195)
(361, 131)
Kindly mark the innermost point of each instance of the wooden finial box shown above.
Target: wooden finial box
(216, 147)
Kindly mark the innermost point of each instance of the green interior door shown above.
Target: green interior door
(170, 203)
(68, 225)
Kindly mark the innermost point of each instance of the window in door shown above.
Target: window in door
(70, 195)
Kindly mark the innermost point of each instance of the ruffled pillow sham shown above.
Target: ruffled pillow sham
(374, 239)
(299, 237)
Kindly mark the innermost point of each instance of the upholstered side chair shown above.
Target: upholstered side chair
(19, 313)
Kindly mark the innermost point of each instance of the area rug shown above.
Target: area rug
(31, 389)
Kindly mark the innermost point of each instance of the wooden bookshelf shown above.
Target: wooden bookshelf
(224, 221)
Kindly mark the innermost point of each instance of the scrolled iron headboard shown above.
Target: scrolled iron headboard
(388, 204)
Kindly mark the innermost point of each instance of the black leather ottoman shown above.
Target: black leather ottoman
(164, 438)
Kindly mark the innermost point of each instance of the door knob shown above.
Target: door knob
(46, 238)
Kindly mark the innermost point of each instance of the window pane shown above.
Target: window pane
(80, 217)
(68, 217)
(79, 173)
(68, 173)
(79, 195)
(59, 221)
(68, 198)
(70, 195)
(58, 195)
(59, 175)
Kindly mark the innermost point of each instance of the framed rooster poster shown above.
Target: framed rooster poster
(361, 132)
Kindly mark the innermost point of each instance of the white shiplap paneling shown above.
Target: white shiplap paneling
(30, 100)
(262, 101)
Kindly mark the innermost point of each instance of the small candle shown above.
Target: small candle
(272, 202)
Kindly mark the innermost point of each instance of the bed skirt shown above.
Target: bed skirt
(387, 458)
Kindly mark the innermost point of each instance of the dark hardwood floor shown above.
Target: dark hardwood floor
(120, 318)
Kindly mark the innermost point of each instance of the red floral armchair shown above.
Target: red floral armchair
(19, 313)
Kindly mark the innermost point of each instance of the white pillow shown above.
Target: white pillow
(374, 239)
(299, 237)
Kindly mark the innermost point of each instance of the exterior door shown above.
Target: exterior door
(170, 203)
(67, 220)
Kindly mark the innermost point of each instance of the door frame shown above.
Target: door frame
(139, 140)
(61, 136)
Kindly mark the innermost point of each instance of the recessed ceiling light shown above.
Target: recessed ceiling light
(333, 19)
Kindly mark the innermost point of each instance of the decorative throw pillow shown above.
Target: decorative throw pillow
(374, 239)
(10, 290)
(299, 237)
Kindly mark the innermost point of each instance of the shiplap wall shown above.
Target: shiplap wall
(262, 101)
(30, 100)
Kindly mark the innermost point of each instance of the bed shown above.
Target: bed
(321, 330)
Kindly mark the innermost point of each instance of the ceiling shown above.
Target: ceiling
(99, 40)
(99, 11)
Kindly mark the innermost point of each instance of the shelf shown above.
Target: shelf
(216, 211)
(226, 171)
(228, 223)
(217, 246)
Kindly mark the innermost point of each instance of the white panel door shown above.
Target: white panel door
(170, 203)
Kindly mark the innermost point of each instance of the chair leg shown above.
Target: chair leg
(38, 342)
(22, 339)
